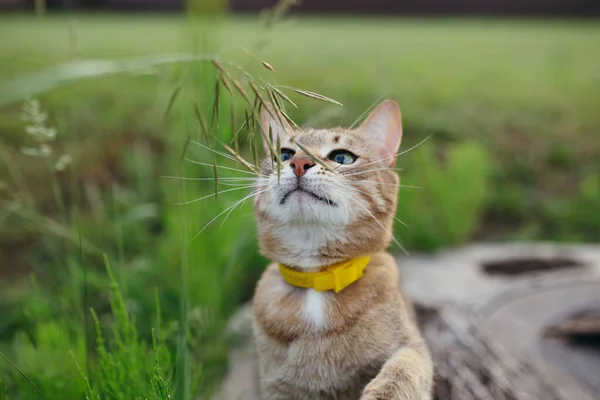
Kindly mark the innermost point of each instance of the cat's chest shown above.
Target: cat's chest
(291, 315)
(319, 345)
(314, 308)
(325, 341)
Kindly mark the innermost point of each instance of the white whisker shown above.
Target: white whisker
(215, 151)
(364, 172)
(222, 167)
(212, 194)
(239, 130)
(224, 211)
(236, 183)
(402, 222)
(268, 211)
(381, 225)
(414, 147)
(402, 152)
(396, 218)
(185, 178)
(368, 110)
(256, 192)
(392, 156)
(345, 206)
(390, 184)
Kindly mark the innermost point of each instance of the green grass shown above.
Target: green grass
(513, 154)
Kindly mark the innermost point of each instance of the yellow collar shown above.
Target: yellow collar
(335, 277)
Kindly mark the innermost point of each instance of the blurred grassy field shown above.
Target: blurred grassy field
(514, 154)
(527, 89)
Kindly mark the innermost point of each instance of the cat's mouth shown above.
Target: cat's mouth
(311, 194)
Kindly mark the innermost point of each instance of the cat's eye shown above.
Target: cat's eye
(287, 154)
(342, 157)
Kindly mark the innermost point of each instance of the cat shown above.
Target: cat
(360, 342)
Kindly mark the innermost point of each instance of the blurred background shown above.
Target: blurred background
(109, 289)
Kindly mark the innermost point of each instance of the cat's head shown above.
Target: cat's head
(313, 215)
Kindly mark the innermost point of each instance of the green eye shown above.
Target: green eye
(342, 157)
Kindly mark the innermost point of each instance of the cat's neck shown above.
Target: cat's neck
(306, 247)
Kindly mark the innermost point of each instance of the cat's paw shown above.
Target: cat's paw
(379, 389)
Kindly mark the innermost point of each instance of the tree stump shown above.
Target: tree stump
(508, 322)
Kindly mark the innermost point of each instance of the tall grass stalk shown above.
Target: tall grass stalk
(33, 386)
(84, 294)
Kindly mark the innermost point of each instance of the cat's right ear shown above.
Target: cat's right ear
(271, 125)
(384, 126)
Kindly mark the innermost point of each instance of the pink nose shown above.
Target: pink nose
(301, 164)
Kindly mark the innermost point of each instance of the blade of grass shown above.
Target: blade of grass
(280, 110)
(218, 166)
(268, 66)
(264, 103)
(289, 120)
(188, 139)
(31, 85)
(282, 117)
(215, 108)
(119, 238)
(88, 387)
(238, 86)
(84, 294)
(48, 224)
(172, 99)
(23, 375)
(232, 122)
(368, 110)
(17, 177)
(313, 95)
(247, 122)
(216, 174)
(274, 99)
(255, 111)
(254, 150)
(271, 145)
(225, 83)
(259, 97)
(220, 67)
(240, 158)
(264, 63)
(278, 159)
(284, 96)
(183, 365)
(314, 158)
(203, 126)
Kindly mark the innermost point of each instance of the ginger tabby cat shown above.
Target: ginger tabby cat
(361, 342)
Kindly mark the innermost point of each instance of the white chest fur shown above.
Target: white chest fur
(315, 308)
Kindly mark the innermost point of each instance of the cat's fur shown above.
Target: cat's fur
(360, 343)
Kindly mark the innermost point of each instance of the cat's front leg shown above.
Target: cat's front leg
(407, 375)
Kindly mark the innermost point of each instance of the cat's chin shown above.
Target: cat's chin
(310, 212)
(305, 208)
(301, 195)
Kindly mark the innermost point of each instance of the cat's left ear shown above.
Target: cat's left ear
(384, 128)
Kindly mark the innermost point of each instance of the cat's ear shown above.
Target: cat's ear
(269, 122)
(384, 129)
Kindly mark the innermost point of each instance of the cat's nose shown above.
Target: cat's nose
(301, 164)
